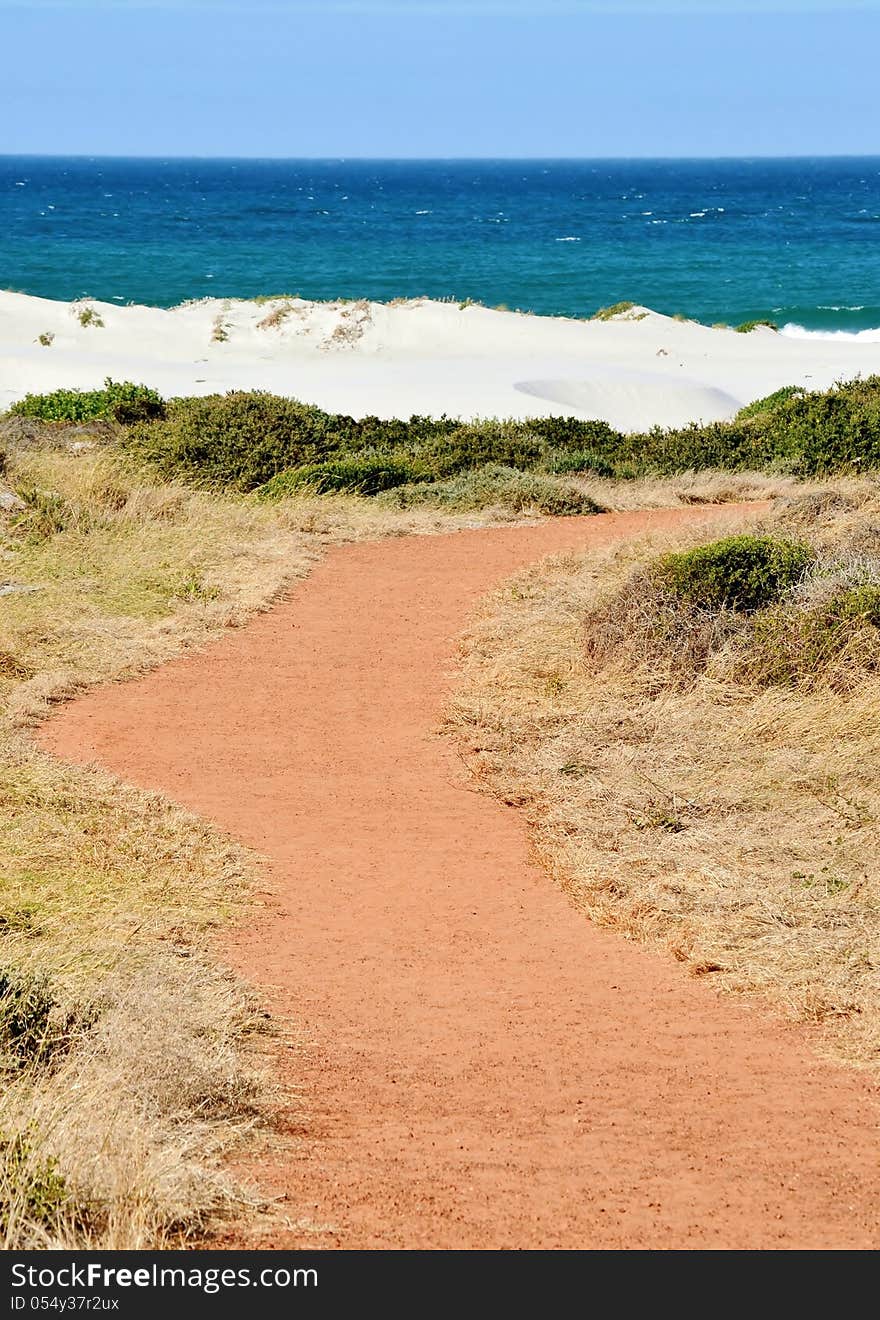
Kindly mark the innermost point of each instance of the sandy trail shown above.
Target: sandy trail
(484, 1068)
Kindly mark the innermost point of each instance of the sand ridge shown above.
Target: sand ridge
(635, 371)
(483, 1068)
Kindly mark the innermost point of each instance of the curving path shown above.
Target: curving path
(484, 1068)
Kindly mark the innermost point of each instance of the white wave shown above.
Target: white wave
(792, 331)
(569, 238)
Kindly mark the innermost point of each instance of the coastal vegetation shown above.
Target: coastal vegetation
(609, 313)
(89, 316)
(242, 440)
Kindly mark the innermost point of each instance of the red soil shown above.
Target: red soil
(483, 1067)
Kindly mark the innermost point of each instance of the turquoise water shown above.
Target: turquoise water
(797, 241)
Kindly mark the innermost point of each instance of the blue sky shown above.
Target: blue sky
(427, 78)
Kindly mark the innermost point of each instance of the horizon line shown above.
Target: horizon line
(344, 158)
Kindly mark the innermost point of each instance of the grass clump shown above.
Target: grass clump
(26, 1004)
(89, 316)
(32, 1190)
(746, 327)
(276, 318)
(609, 313)
(834, 643)
(737, 572)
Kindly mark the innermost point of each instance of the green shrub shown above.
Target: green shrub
(574, 433)
(121, 402)
(738, 572)
(497, 486)
(240, 440)
(810, 434)
(746, 327)
(473, 445)
(770, 402)
(360, 475)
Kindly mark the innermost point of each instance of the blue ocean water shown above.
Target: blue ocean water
(797, 241)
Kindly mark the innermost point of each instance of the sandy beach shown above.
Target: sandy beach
(637, 370)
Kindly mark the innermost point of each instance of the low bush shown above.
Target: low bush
(737, 572)
(238, 440)
(759, 611)
(809, 434)
(746, 327)
(122, 402)
(674, 615)
(574, 433)
(770, 402)
(497, 486)
(470, 446)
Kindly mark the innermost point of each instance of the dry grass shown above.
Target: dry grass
(738, 825)
(690, 488)
(109, 898)
(275, 319)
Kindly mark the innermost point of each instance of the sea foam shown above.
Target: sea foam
(792, 331)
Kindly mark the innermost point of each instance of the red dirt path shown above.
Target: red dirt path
(484, 1068)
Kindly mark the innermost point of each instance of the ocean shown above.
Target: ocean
(795, 241)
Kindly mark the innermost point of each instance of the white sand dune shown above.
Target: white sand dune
(635, 371)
